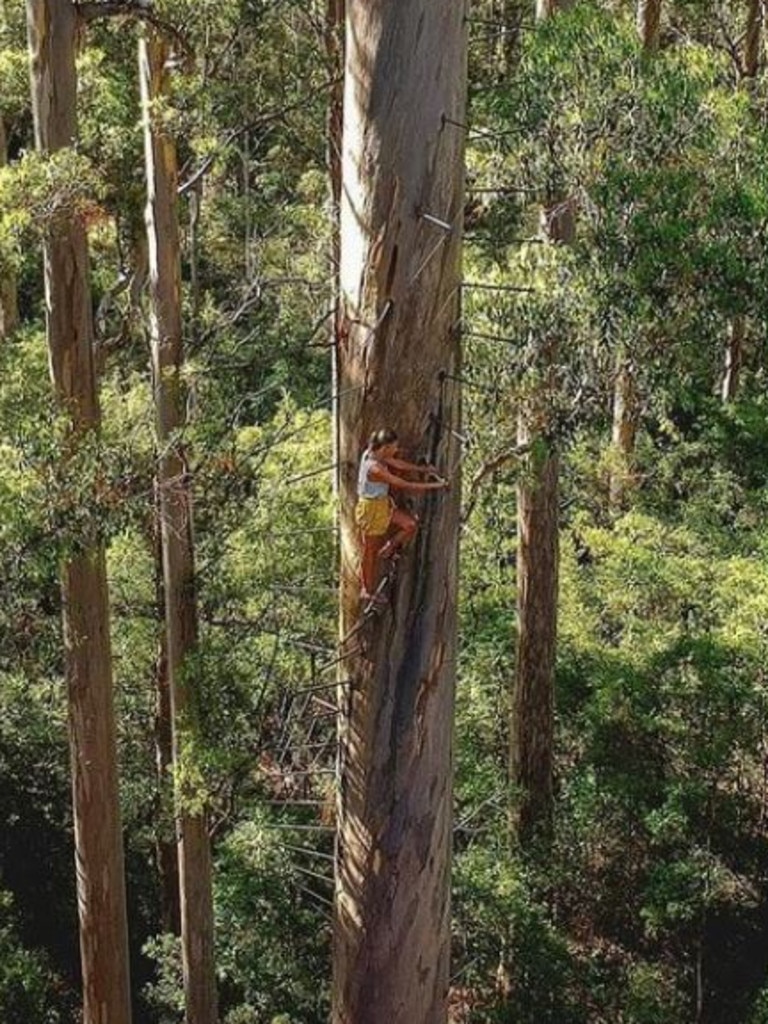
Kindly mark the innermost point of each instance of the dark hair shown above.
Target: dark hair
(381, 437)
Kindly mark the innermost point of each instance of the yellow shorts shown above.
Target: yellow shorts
(373, 515)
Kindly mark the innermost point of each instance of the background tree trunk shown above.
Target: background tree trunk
(625, 397)
(649, 23)
(756, 12)
(400, 287)
(177, 540)
(9, 307)
(734, 357)
(166, 857)
(69, 321)
(624, 430)
(538, 497)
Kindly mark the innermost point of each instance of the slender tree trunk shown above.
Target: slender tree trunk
(177, 539)
(624, 431)
(9, 308)
(69, 322)
(532, 724)
(400, 278)
(734, 358)
(756, 13)
(625, 398)
(165, 845)
(648, 24)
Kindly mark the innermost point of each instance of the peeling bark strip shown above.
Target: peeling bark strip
(400, 276)
(98, 834)
(176, 530)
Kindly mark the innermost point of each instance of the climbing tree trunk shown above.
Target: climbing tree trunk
(9, 308)
(194, 854)
(334, 46)
(649, 23)
(69, 326)
(398, 352)
(532, 724)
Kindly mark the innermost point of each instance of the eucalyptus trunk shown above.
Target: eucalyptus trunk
(532, 724)
(625, 396)
(175, 501)
(756, 13)
(398, 352)
(649, 23)
(734, 358)
(69, 325)
(9, 305)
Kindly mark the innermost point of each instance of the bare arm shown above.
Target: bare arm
(383, 475)
(410, 467)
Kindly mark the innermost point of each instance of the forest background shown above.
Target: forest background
(647, 900)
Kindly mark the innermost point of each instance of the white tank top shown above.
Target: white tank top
(367, 488)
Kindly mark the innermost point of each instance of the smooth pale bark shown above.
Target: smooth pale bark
(532, 723)
(175, 502)
(9, 306)
(734, 358)
(624, 430)
(400, 286)
(649, 23)
(69, 325)
(334, 47)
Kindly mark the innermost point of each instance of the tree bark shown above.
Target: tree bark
(533, 704)
(334, 47)
(9, 306)
(400, 286)
(194, 851)
(69, 325)
(165, 846)
(625, 398)
(538, 490)
(624, 431)
(649, 24)
(734, 358)
(756, 13)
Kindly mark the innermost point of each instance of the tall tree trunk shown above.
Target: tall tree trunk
(165, 846)
(648, 24)
(756, 13)
(625, 398)
(9, 308)
(538, 490)
(176, 532)
(69, 322)
(400, 286)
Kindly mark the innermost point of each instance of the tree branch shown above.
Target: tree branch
(236, 133)
(486, 470)
(90, 10)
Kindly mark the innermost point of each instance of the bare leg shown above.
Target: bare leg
(368, 562)
(406, 526)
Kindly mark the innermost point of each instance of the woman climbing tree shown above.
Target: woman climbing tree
(376, 513)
